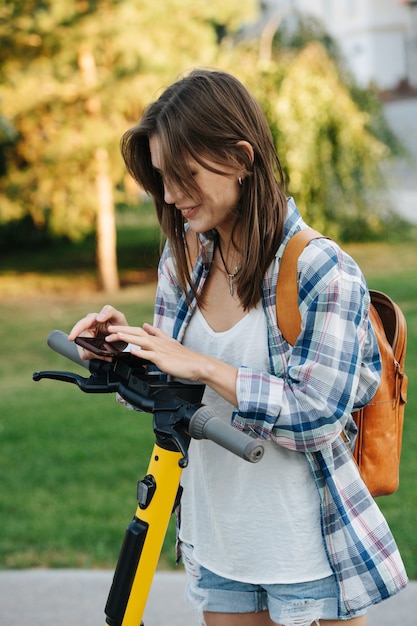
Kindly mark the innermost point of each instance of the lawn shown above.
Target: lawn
(69, 461)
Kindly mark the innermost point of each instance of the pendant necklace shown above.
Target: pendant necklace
(230, 276)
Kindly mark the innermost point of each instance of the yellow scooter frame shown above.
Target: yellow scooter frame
(178, 416)
(143, 541)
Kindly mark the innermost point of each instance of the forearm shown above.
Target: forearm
(219, 376)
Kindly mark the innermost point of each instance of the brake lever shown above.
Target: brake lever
(93, 384)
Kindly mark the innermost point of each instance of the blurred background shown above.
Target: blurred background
(337, 80)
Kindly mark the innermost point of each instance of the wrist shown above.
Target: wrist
(219, 376)
(207, 370)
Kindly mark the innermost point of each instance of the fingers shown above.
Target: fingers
(95, 324)
(109, 315)
(155, 346)
(132, 334)
(87, 323)
(151, 330)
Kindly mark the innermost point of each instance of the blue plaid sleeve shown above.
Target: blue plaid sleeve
(168, 293)
(334, 364)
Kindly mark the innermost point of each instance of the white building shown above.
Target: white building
(377, 37)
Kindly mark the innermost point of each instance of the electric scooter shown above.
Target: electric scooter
(178, 416)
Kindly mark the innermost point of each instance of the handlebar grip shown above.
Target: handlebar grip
(204, 424)
(58, 341)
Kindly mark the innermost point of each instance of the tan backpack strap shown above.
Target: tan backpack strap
(288, 313)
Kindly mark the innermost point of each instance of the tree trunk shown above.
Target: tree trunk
(106, 226)
(106, 256)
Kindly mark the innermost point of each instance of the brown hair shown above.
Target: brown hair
(205, 115)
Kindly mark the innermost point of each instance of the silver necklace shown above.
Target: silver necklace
(230, 276)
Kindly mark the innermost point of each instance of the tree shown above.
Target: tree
(331, 136)
(325, 139)
(75, 74)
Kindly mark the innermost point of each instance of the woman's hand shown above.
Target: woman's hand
(171, 357)
(155, 346)
(95, 325)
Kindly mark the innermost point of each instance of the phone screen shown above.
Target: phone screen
(101, 347)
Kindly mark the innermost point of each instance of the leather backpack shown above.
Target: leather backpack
(380, 423)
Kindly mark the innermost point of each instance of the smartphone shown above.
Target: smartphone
(101, 347)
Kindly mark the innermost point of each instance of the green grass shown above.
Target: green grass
(69, 462)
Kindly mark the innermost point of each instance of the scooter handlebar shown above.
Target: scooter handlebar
(58, 341)
(205, 424)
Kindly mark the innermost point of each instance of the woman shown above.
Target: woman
(295, 539)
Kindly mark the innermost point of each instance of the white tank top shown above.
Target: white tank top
(257, 523)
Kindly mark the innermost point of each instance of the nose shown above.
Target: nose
(171, 193)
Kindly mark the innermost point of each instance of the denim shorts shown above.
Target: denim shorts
(298, 604)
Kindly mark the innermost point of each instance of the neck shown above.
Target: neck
(229, 254)
(231, 269)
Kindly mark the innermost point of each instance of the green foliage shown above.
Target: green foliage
(76, 73)
(328, 145)
(299, 29)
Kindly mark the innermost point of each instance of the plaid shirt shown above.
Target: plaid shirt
(305, 401)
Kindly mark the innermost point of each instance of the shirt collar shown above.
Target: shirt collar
(293, 223)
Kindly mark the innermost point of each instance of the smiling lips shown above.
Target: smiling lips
(188, 212)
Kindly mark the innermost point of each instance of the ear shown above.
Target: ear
(247, 151)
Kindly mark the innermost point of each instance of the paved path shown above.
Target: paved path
(78, 597)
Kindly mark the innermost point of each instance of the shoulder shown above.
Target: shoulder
(324, 268)
(326, 259)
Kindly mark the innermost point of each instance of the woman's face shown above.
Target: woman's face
(218, 197)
